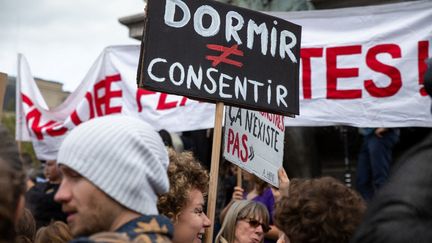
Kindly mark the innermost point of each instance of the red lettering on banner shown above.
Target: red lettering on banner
(99, 101)
(56, 130)
(27, 100)
(423, 54)
(140, 93)
(74, 116)
(233, 145)
(372, 62)
(377, 66)
(33, 119)
(163, 104)
(89, 99)
(306, 54)
(105, 99)
(183, 101)
(35, 126)
(333, 72)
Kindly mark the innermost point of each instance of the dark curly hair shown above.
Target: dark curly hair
(185, 174)
(319, 210)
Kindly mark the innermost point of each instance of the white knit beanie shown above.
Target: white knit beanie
(122, 156)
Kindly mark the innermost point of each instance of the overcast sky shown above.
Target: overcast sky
(61, 39)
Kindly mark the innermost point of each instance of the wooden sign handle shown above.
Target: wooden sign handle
(214, 170)
(239, 177)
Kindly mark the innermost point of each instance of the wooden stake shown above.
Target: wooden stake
(214, 170)
(3, 84)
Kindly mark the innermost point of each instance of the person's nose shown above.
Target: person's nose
(207, 222)
(64, 193)
(259, 230)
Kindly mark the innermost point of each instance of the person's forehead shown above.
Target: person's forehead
(252, 214)
(196, 196)
(67, 170)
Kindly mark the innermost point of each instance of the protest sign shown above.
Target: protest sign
(221, 53)
(254, 141)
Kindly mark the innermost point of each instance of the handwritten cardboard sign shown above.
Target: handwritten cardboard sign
(221, 53)
(254, 141)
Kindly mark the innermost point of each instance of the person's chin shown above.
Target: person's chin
(75, 228)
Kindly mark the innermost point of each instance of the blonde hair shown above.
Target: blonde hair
(56, 232)
(241, 209)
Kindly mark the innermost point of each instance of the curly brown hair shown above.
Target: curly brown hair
(319, 210)
(185, 173)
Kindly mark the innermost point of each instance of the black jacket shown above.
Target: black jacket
(40, 201)
(402, 210)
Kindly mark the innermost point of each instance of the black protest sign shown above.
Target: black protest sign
(220, 53)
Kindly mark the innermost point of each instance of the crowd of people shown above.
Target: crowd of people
(115, 181)
(121, 184)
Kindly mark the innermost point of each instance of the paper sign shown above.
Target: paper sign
(254, 141)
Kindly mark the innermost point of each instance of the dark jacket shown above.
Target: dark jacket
(40, 201)
(145, 229)
(402, 210)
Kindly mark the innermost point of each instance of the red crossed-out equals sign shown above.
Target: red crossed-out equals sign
(225, 53)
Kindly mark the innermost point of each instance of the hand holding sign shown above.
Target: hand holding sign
(237, 194)
(283, 185)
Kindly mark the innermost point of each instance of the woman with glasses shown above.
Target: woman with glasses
(246, 221)
(259, 191)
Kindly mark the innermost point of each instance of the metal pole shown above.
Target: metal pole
(348, 172)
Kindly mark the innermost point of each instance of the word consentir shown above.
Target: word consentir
(234, 22)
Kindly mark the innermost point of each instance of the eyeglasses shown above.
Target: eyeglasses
(255, 223)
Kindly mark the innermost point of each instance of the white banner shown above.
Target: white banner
(109, 88)
(360, 66)
(364, 66)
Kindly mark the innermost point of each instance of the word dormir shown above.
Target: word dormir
(214, 82)
(217, 52)
(207, 23)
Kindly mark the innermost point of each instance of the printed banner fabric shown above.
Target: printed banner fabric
(360, 67)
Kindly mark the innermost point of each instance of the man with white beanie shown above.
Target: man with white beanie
(114, 168)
